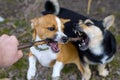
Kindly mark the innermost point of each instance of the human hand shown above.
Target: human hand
(9, 53)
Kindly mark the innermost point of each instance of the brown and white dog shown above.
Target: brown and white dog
(51, 27)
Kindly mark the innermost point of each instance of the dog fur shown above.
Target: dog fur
(102, 44)
(51, 27)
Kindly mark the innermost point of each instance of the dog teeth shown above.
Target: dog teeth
(79, 45)
(75, 31)
(79, 33)
(83, 41)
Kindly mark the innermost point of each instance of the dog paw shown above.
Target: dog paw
(104, 73)
(86, 76)
(30, 75)
(55, 78)
(85, 79)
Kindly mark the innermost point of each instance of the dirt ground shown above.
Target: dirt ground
(17, 15)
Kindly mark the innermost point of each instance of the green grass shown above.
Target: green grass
(118, 39)
(69, 69)
(22, 65)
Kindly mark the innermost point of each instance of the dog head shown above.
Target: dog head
(91, 33)
(50, 27)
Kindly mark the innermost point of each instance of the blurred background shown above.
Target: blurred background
(15, 16)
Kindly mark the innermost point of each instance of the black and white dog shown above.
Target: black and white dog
(97, 44)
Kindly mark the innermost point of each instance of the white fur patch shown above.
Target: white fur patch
(57, 69)
(59, 24)
(104, 73)
(59, 33)
(44, 57)
(104, 59)
(97, 49)
(102, 70)
(96, 37)
(32, 68)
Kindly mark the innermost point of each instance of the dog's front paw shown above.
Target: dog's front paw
(30, 74)
(55, 78)
(104, 73)
(86, 76)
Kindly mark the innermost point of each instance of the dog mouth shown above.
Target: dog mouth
(54, 45)
(84, 40)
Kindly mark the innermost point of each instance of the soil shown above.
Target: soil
(17, 15)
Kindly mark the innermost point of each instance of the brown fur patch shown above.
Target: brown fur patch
(68, 52)
(42, 24)
(30, 54)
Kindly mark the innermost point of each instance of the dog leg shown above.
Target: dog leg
(56, 70)
(102, 70)
(32, 68)
(80, 66)
(87, 73)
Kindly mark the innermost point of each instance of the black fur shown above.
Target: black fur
(74, 17)
(109, 42)
(49, 7)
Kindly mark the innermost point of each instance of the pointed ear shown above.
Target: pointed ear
(108, 22)
(64, 20)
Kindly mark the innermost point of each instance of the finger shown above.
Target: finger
(4, 36)
(19, 55)
(14, 39)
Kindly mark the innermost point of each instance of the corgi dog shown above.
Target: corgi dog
(57, 52)
(97, 44)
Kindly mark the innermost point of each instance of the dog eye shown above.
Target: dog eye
(88, 24)
(51, 28)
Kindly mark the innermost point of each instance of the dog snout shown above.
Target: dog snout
(78, 28)
(64, 39)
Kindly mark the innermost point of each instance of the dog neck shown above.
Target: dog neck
(96, 46)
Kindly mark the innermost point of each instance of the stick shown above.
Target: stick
(74, 39)
(89, 6)
(30, 44)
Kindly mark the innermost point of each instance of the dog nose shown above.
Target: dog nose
(64, 39)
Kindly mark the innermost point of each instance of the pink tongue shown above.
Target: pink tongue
(54, 46)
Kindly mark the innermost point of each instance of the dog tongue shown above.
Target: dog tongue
(54, 47)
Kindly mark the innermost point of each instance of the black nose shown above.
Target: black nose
(64, 39)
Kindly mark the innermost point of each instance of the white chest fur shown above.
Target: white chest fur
(44, 57)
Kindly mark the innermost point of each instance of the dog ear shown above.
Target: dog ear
(64, 20)
(108, 22)
(33, 22)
